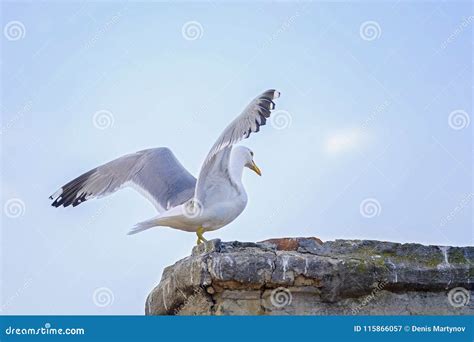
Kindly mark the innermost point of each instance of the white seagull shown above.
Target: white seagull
(212, 201)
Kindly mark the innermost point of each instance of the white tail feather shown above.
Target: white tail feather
(141, 226)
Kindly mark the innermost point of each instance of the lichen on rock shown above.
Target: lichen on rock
(305, 276)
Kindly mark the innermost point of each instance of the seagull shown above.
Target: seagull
(213, 200)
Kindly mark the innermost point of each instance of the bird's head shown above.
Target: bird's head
(246, 156)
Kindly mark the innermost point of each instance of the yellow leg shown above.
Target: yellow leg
(199, 233)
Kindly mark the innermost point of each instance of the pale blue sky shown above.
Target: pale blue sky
(369, 120)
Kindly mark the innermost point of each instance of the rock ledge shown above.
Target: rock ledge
(305, 276)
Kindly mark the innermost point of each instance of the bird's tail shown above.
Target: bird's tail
(141, 226)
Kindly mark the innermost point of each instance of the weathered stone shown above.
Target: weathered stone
(291, 244)
(304, 276)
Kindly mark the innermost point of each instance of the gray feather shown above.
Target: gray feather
(155, 173)
(253, 116)
(217, 160)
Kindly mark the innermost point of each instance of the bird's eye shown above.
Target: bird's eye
(251, 153)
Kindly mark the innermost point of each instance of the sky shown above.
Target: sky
(372, 137)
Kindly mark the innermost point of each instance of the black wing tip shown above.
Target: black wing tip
(68, 199)
(265, 106)
(71, 193)
(272, 93)
(58, 200)
(56, 197)
(57, 203)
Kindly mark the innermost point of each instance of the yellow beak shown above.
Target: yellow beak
(255, 168)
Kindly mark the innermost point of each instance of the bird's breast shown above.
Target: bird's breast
(222, 213)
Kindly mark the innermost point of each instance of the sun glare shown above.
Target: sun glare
(343, 141)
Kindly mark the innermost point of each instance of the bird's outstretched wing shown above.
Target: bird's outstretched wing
(155, 173)
(253, 116)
